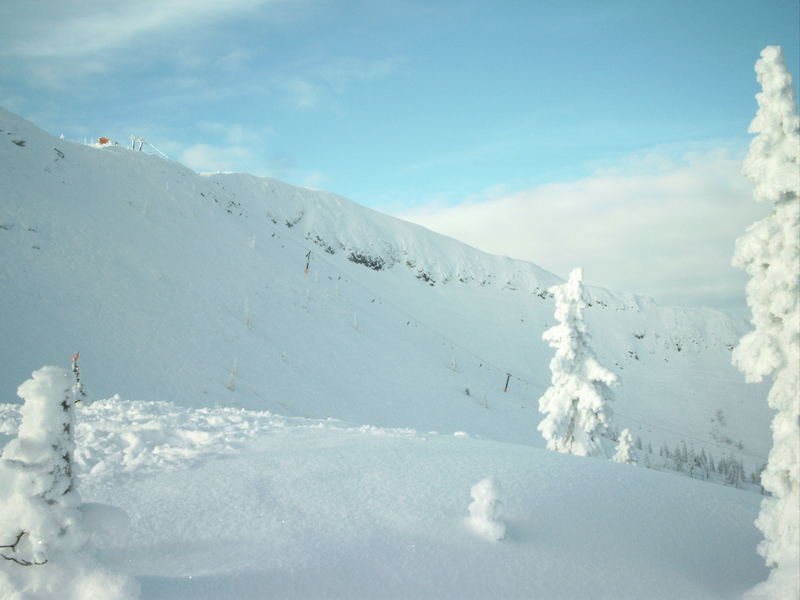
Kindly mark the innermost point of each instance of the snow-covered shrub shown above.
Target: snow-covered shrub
(41, 530)
(376, 263)
(624, 452)
(484, 509)
(575, 404)
(769, 252)
(40, 517)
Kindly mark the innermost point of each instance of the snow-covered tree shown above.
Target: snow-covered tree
(484, 510)
(624, 452)
(769, 252)
(41, 518)
(575, 405)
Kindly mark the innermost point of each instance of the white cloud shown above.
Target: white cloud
(308, 86)
(242, 150)
(300, 92)
(205, 158)
(666, 230)
(87, 27)
(234, 134)
(340, 73)
(179, 49)
(313, 181)
(58, 41)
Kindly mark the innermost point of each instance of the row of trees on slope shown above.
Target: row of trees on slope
(575, 405)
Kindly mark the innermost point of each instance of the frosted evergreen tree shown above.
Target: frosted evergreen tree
(40, 515)
(624, 452)
(484, 510)
(42, 533)
(769, 252)
(575, 405)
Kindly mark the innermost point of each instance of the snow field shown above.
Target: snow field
(305, 512)
(300, 508)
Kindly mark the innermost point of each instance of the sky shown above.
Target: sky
(607, 135)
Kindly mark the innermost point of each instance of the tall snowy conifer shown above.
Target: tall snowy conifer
(575, 404)
(770, 253)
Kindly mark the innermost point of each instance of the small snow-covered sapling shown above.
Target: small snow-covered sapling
(484, 510)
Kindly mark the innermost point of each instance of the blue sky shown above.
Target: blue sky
(422, 109)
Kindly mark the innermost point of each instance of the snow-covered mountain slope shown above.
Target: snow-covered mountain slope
(192, 289)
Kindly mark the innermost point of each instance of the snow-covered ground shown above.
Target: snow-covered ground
(236, 504)
(283, 433)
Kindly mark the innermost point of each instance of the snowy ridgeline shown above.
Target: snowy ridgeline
(194, 289)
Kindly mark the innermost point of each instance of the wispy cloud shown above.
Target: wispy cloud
(655, 226)
(78, 29)
(301, 93)
(233, 147)
(236, 148)
(233, 133)
(307, 86)
(205, 158)
(57, 41)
